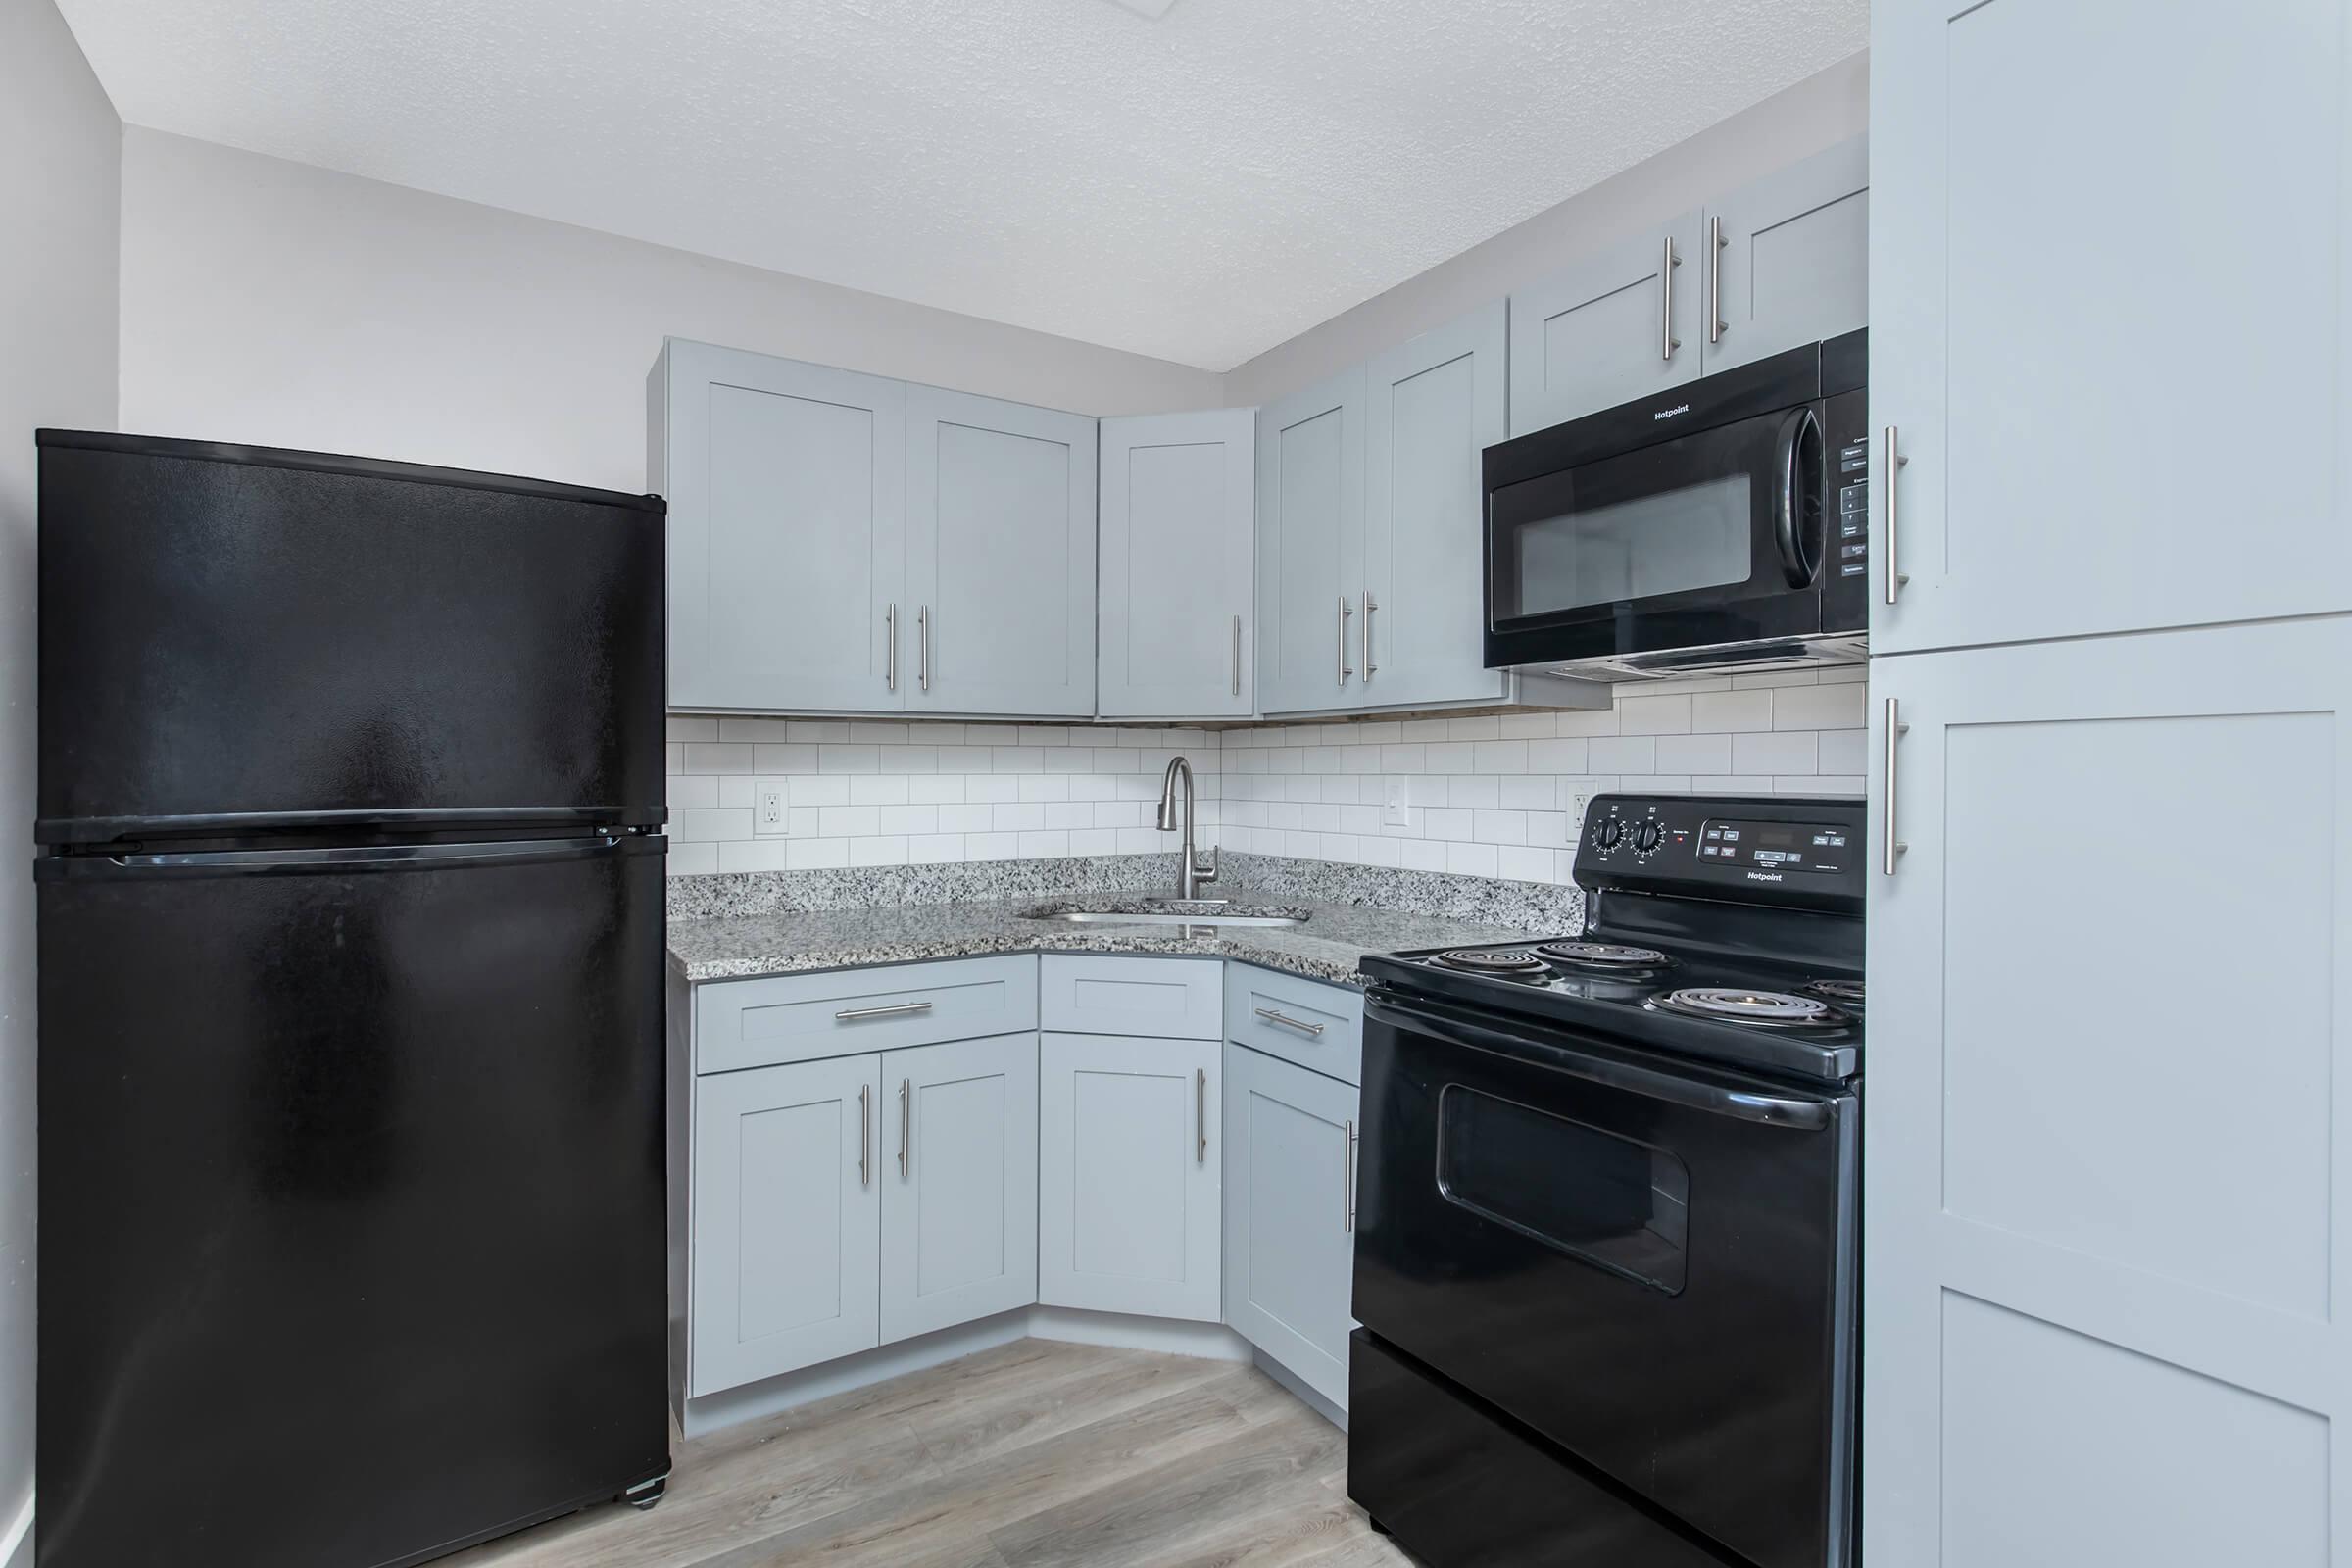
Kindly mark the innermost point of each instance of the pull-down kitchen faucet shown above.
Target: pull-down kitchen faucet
(1190, 877)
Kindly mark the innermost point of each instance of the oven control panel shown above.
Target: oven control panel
(1787, 850)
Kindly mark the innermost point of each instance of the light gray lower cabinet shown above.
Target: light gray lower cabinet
(787, 528)
(1179, 624)
(787, 1219)
(1431, 406)
(960, 1191)
(1611, 326)
(1129, 1163)
(1000, 558)
(1289, 1214)
(1788, 259)
(2105, 1230)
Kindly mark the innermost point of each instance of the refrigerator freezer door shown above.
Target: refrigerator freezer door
(351, 1203)
(237, 639)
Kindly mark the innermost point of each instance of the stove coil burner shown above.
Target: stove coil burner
(1847, 992)
(1604, 955)
(1778, 1010)
(1488, 960)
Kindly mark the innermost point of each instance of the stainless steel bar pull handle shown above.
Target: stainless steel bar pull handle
(1236, 656)
(1200, 1110)
(1370, 605)
(890, 653)
(1893, 462)
(1667, 342)
(1347, 1176)
(1345, 611)
(1271, 1016)
(905, 1121)
(1715, 244)
(865, 1135)
(896, 1009)
(1892, 845)
(922, 667)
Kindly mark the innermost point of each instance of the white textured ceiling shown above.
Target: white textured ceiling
(1200, 186)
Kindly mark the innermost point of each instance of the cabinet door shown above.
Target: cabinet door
(1128, 1172)
(787, 531)
(2111, 423)
(1791, 257)
(1290, 1215)
(1311, 522)
(1618, 324)
(1434, 405)
(1000, 558)
(787, 1218)
(1179, 532)
(2110, 1152)
(959, 1190)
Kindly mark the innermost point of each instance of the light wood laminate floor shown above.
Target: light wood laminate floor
(1036, 1454)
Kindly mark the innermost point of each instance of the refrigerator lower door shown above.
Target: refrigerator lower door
(351, 1200)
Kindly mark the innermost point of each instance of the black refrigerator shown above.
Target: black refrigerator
(349, 871)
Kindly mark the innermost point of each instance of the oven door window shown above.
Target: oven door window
(1600, 1198)
(1686, 520)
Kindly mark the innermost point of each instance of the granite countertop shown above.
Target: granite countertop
(1326, 948)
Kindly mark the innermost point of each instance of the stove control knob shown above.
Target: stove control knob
(1608, 833)
(1647, 837)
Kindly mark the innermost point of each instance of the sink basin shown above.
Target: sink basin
(1164, 917)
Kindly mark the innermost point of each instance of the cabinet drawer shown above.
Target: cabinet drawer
(1317, 1026)
(800, 1018)
(1167, 998)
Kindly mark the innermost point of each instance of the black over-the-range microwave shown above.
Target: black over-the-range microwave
(1721, 525)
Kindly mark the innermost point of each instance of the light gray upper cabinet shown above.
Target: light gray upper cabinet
(1788, 259)
(787, 1219)
(2106, 1236)
(2129, 413)
(1310, 511)
(1615, 325)
(1000, 557)
(1178, 510)
(1129, 1161)
(1432, 406)
(787, 528)
(1290, 1215)
(959, 1187)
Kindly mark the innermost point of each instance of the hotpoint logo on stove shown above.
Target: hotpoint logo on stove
(1668, 413)
(1764, 876)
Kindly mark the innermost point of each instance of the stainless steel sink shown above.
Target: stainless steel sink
(1164, 917)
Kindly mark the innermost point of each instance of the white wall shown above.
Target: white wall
(1819, 111)
(60, 207)
(271, 302)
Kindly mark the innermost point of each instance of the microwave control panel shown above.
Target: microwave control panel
(1848, 444)
(1796, 850)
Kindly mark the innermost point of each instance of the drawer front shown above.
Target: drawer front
(1167, 998)
(1319, 1027)
(802, 1017)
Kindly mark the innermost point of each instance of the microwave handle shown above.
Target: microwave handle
(1793, 474)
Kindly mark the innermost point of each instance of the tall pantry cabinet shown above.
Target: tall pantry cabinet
(2108, 1182)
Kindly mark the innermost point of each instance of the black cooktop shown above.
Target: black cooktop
(1728, 928)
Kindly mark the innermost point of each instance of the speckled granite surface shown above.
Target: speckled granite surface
(744, 893)
(1326, 948)
(1536, 905)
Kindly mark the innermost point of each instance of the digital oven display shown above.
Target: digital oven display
(1774, 845)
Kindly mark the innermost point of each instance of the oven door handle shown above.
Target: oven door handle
(1789, 462)
(1740, 1104)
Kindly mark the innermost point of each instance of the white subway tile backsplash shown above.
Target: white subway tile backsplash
(1497, 795)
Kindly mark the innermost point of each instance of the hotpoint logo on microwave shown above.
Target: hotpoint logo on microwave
(1763, 876)
(1668, 413)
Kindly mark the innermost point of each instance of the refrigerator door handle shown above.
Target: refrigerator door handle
(347, 857)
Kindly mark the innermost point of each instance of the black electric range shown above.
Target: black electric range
(1605, 1245)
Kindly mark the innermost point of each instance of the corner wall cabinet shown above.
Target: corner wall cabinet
(1179, 614)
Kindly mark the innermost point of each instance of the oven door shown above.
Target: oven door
(1602, 541)
(1649, 1261)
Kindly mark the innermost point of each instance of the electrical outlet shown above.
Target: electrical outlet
(768, 816)
(1396, 812)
